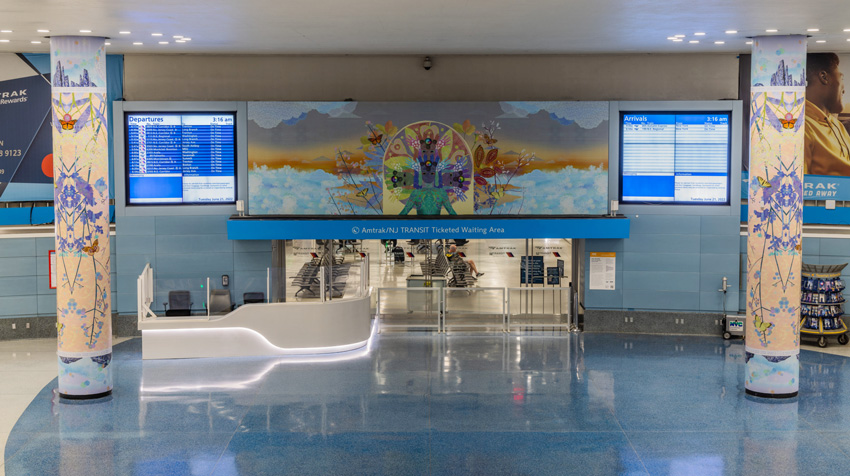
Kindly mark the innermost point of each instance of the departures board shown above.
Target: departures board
(176, 158)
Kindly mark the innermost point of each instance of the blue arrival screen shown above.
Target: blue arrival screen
(675, 158)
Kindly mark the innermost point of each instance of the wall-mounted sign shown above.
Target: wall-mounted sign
(534, 265)
(51, 263)
(603, 270)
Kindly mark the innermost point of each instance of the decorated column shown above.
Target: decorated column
(81, 200)
(775, 221)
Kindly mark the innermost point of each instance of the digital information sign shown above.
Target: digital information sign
(176, 158)
(675, 158)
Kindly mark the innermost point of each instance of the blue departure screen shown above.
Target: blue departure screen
(675, 158)
(181, 158)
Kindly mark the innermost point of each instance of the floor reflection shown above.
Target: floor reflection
(544, 403)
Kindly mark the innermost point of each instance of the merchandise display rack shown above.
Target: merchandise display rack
(822, 303)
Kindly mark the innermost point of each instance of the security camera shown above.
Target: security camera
(427, 63)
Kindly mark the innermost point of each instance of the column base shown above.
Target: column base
(771, 395)
(86, 397)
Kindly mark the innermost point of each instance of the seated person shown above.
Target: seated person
(453, 255)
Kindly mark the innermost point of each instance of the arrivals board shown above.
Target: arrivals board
(675, 158)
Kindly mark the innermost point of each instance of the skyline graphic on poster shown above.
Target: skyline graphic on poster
(494, 158)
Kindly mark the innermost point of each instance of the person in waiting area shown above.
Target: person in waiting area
(827, 143)
(453, 255)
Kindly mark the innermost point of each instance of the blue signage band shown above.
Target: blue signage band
(347, 228)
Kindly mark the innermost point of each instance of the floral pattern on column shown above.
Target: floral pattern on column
(774, 255)
(81, 201)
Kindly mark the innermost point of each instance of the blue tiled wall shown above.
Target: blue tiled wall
(184, 251)
(671, 263)
(24, 282)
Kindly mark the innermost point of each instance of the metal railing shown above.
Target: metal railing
(548, 308)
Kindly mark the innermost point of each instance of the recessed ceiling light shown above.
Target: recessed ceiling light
(678, 39)
(820, 41)
(749, 42)
(43, 31)
(108, 44)
(138, 43)
(4, 41)
(671, 37)
(731, 32)
(163, 42)
(699, 33)
(123, 32)
(719, 42)
(180, 41)
(187, 39)
(694, 41)
(679, 36)
(847, 29)
(156, 34)
(35, 42)
(5, 31)
(813, 29)
(85, 31)
(177, 37)
(771, 30)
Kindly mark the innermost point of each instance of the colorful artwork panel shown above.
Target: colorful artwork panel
(349, 158)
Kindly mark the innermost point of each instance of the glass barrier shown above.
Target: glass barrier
(539, 308)
(320, 279)
(409, 308)
(179, 297)
(474, 307)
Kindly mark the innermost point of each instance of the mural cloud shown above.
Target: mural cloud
(586, 114)
(269, 115)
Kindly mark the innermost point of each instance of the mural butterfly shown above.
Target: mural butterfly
(67, 123)
(376, 138)
(91, 250)
(788, 122)
(763, 183)
(761, 325)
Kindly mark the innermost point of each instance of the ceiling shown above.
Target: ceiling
(432, 27)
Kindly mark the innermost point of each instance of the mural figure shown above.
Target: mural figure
(428, 169)
(429, 198)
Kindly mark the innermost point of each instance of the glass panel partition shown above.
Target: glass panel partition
(539, 308)
(475, 307)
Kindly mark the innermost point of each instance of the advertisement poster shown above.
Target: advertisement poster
(26, 143)
(603, 270)
(827, 122)
(439, 158)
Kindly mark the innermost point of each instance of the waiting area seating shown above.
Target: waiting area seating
(336, 275)
(458, 273)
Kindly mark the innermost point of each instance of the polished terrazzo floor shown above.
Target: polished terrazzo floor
(584, 404)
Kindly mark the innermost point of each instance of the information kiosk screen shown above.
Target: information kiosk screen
(675, 158)
(180, 158)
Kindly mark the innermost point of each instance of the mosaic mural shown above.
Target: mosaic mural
(501, 158)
